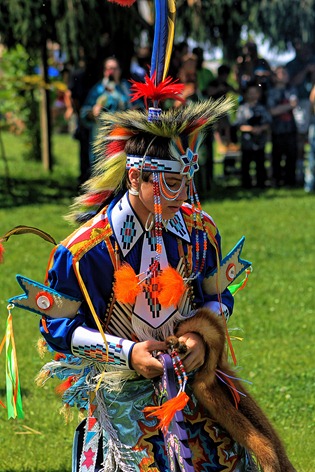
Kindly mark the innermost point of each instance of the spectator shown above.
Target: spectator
(281, 102)
(252, 68)
(253, 121)
(80, 82)
(204, 75)
(219, 88)
(188, 76)
(140, 64)
(302, 76)
(179, 51)
(110, 94)
(309, 180)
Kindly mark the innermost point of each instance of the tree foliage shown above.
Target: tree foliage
(19, 98)
(214, 21)
(102, 28)
(99, 29)
(222, 21)
(283, 21)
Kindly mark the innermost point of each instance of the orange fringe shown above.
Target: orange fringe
(60, 389)
(172, 287)
(126, 286)
(166, 412)
(58, 356)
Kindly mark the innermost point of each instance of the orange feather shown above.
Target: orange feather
(172, 287)
(58, 356)
(166, 412)
(126, 286)
(60, 389)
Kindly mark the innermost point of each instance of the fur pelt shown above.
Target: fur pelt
(246, 423)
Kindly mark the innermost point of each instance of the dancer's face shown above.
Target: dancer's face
(144, 203)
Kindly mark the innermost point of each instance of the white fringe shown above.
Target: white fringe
(112, 381)
(117, 453)
(145, 332)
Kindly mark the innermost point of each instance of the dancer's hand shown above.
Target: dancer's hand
(142, 360)
(196, 350)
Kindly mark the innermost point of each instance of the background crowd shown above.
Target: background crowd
(270, 134)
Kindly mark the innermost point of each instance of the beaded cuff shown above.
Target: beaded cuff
(88, 343)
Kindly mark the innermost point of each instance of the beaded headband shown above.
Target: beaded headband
(186, 166)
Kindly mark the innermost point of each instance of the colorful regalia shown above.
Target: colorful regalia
(115, 282)
(117, 431)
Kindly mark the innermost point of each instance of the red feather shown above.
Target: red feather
(60, 389)
(58, 356)
(168, 88)
(114, 147)
(96, 198)
(1, 253)
(123, 3)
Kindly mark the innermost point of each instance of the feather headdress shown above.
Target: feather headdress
(158, 86)
(182, 128)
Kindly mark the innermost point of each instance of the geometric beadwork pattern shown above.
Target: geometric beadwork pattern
(128, 232)
(152, 288)
(92, 430)
(190, 163)
(151, 240)
(153, 164)
(98, 353)
(177, 224)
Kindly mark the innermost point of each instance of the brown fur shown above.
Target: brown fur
(247, 425)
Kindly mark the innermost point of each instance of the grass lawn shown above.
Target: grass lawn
(274, 315)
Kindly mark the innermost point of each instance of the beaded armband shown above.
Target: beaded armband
(88, 343)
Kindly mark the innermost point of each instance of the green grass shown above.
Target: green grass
(274, 315)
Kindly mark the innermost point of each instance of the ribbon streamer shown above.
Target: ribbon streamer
(14, 399)
(237, 287)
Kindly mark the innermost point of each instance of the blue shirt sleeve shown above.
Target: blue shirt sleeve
(60, 332)
(62, 279)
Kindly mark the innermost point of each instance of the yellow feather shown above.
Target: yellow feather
(28, 229)
(171, 34)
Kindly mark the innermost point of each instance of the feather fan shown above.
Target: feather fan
(28, 229)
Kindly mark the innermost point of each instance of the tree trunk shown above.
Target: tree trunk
(45, 116)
